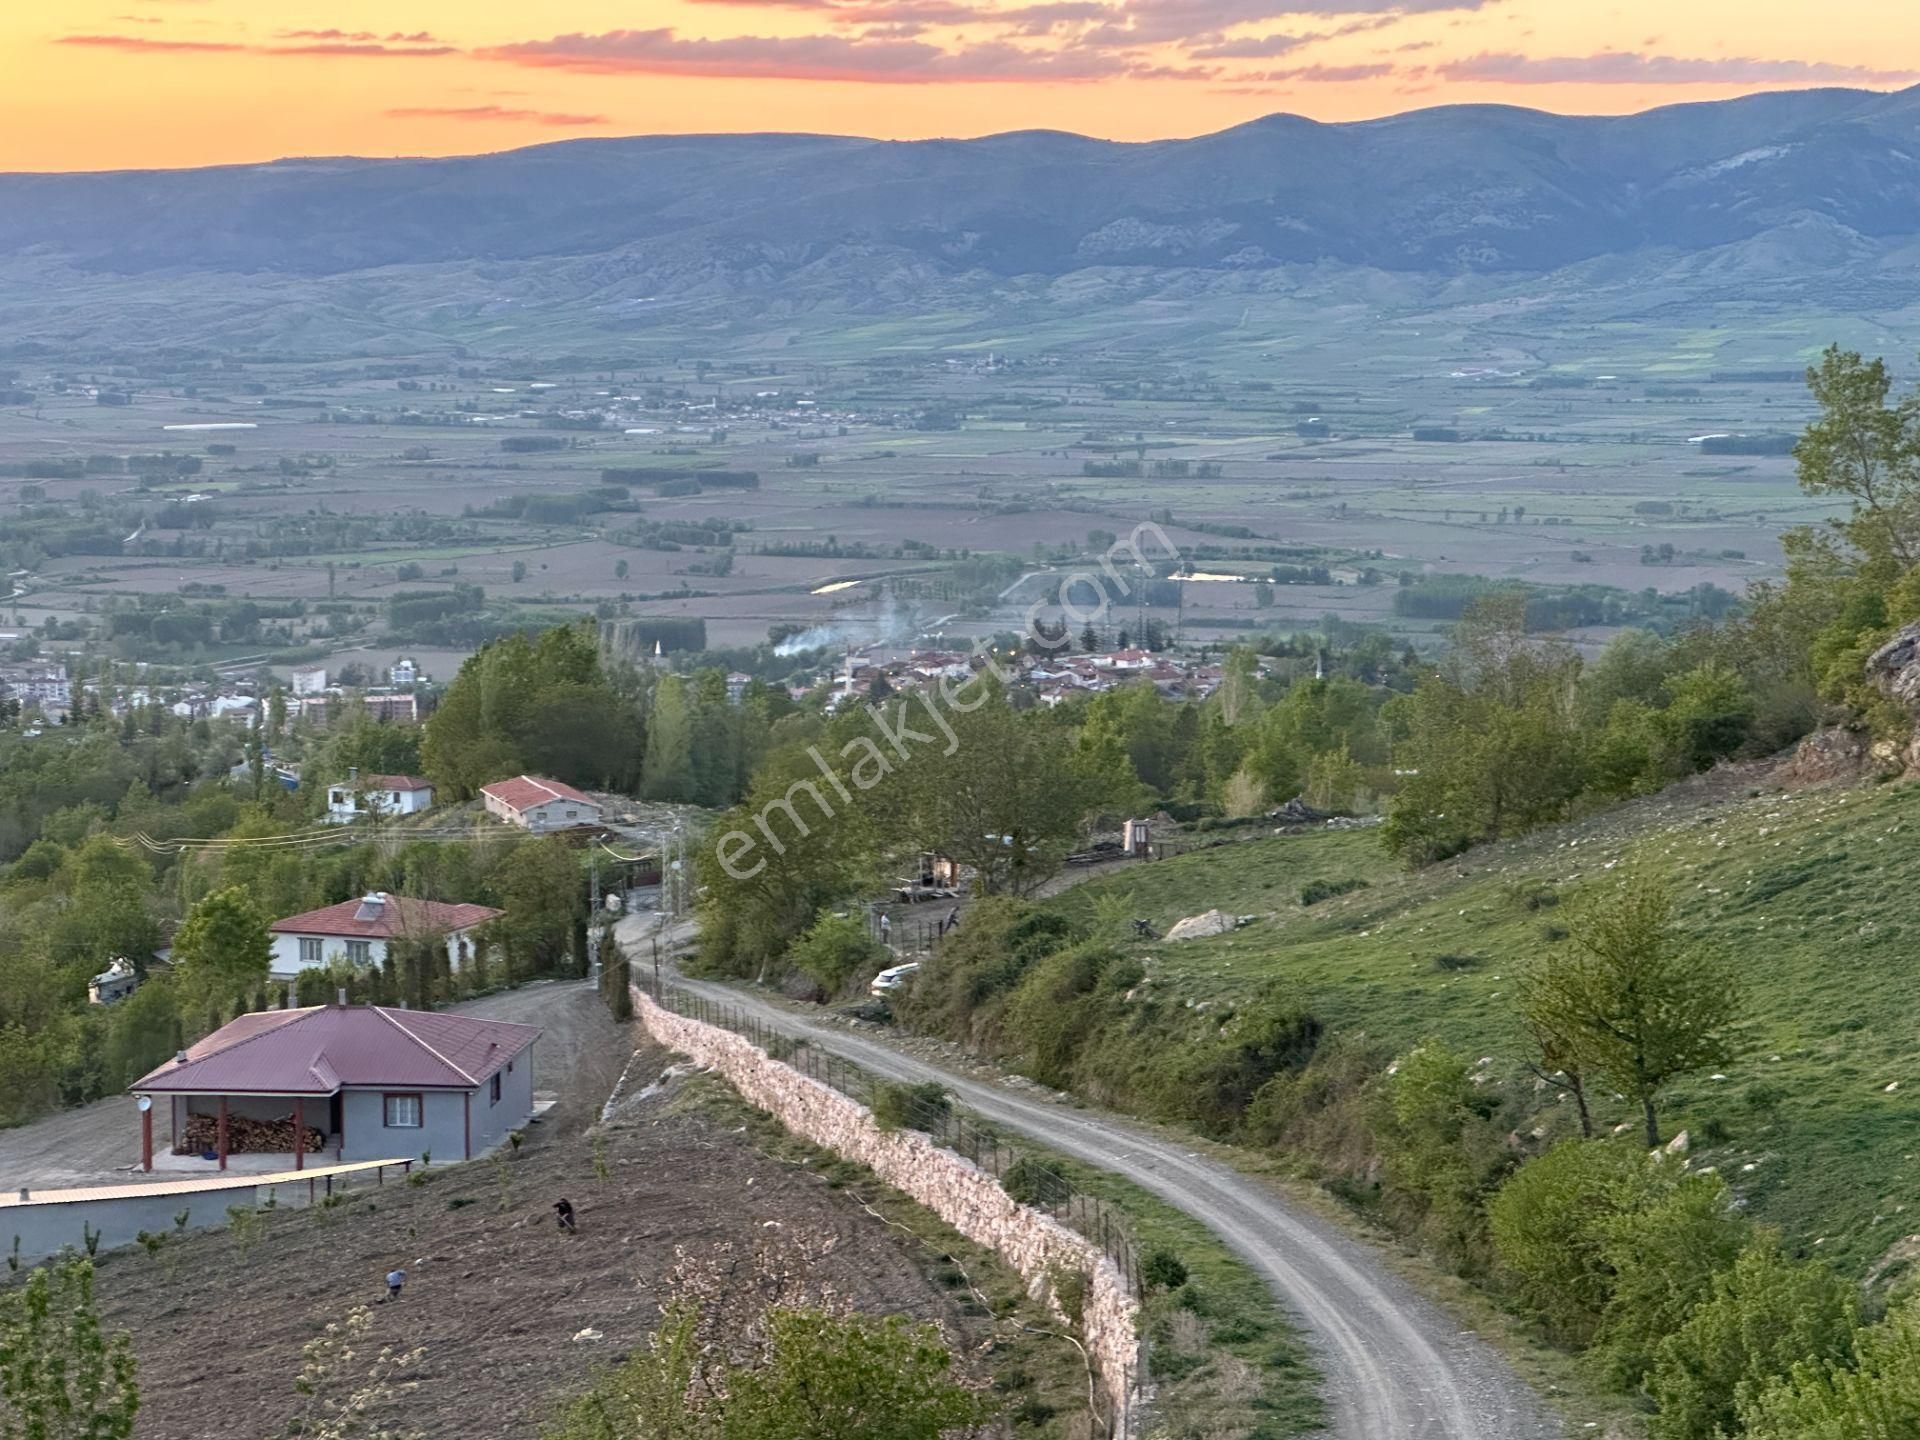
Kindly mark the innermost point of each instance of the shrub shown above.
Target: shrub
(1315, 891)
(911, 1107)
(1762, 1317)
(1030, 1182)
(1163, 1270)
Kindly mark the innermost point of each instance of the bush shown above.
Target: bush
(911, 1107)
(1163, 1270)
(1315, 891)
(1030, 1182)
(1762, 1317)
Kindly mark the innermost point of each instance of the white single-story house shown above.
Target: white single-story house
(359, 796)
(114, 983)
(539, 805)
(359, 931)
(364, 1081)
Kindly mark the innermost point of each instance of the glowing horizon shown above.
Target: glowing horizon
(116, 84)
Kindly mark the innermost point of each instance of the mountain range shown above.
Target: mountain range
(1810, 182)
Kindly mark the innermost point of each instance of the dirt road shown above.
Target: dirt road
(1396, 1367)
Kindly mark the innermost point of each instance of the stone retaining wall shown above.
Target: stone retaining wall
(953, 1187)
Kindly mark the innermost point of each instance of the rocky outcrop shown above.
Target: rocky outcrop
(1826, 757)
(1895, 667)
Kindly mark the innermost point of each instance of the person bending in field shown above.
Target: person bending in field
(395, 1279)
(563, 1212)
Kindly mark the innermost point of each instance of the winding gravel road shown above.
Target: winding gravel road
(1396, 1367)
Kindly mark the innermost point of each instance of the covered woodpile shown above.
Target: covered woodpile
(245, 1136)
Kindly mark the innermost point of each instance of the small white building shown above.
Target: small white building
(360, 931)
(360, 796)
(404, 671)
(310, 682)
(539, 805)
(114, 983)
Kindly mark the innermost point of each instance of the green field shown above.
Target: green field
(1807, 891)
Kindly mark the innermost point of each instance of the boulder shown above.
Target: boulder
(1194, 927)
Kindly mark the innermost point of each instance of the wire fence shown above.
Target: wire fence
(1023, 1173)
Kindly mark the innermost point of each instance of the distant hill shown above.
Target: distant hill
(1803, 207)
(1452, 190)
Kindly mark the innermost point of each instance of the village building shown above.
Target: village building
(342, 1083)
(360, 796)
(38, 683)
(539, 805)
(361, 932)
(114, 983)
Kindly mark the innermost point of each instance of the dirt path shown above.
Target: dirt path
(1395, 1365)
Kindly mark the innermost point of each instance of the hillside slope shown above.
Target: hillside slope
(1813, 1124)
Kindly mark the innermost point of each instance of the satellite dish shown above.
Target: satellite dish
(145, 1102)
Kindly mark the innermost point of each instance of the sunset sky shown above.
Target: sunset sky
(98, 84)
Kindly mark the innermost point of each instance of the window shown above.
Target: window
(309, 950)
(496, 1089)
(403, 1112)
(360, 952)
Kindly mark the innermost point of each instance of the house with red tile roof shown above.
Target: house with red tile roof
(539, 805)
(372, 1083)
(360, 796)
(360, 931)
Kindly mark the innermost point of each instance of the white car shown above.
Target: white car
(893, 978)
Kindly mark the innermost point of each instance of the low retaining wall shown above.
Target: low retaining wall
(48, 1221)
(950, 1185)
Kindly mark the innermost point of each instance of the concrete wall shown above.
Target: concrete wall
(953, 1187)
(45, 1230)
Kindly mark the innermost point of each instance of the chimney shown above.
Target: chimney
(179, 1057)
(343, 995)
(353, 773)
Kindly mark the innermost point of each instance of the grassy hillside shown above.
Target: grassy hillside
(1817, 1122)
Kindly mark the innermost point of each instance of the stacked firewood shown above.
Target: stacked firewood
(245, 1136)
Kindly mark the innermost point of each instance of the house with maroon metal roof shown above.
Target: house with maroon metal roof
(360, 932)
(341, 1083)
(539, 805)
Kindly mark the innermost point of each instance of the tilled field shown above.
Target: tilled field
(496, 1295)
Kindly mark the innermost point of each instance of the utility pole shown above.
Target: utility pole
(593, 918)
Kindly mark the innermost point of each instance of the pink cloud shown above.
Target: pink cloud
(1620, 67)
(493, 112)
(801, 57)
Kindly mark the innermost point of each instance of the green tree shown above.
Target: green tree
(667, 771)
(222, 954)
(62, 1375)
(835, 951)
(1765, 1314)
(1867, 450)
(1548, 1224)
(1632, 998)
